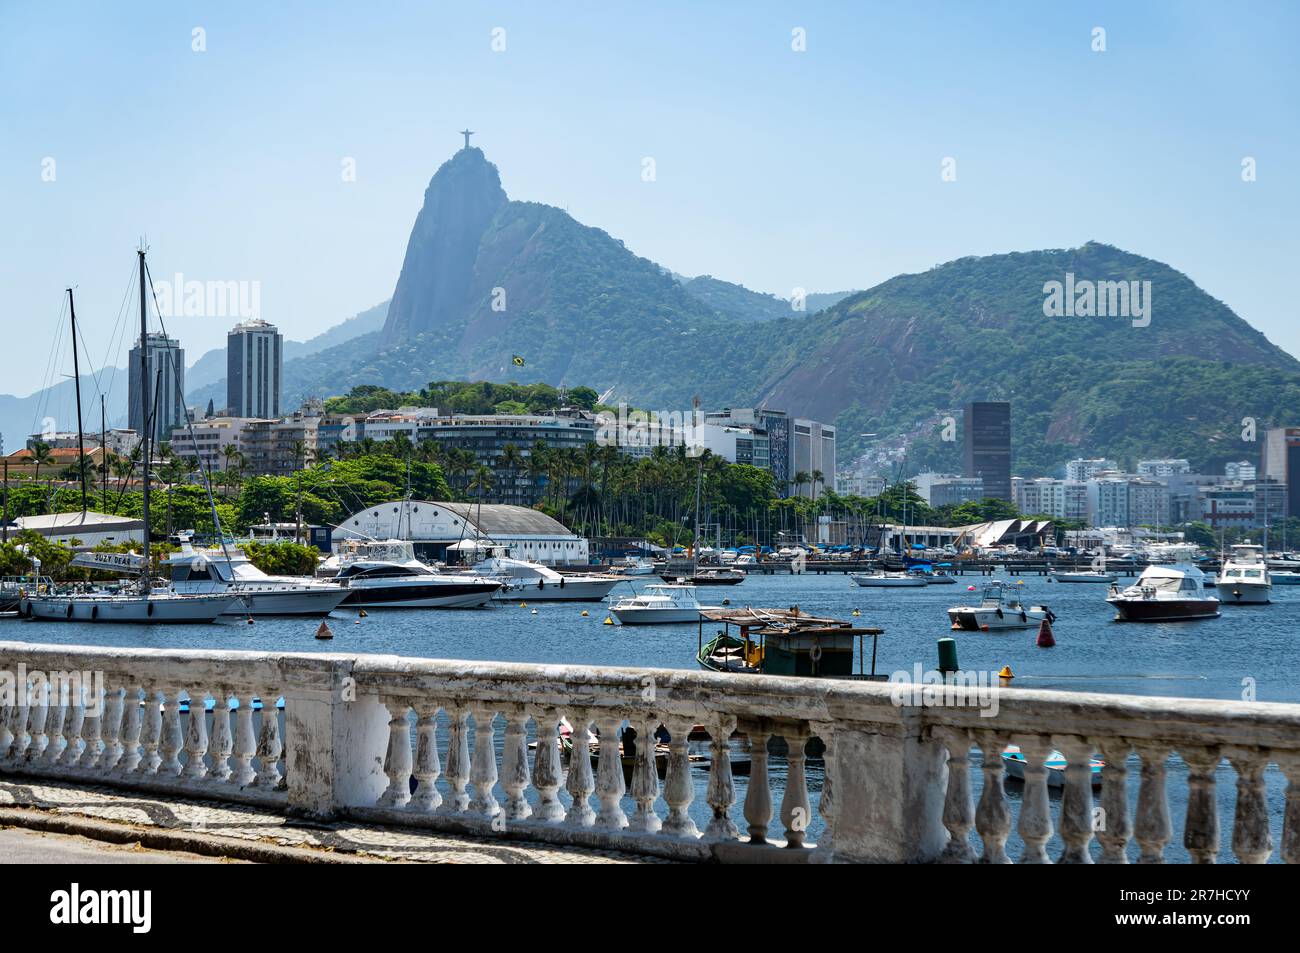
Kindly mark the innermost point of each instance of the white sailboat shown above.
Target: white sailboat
(148, 605)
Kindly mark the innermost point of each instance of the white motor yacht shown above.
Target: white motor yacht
(533, 581)
(657, 603)
(1164, 594)
(1245, 577)
(387, 575)
(888, 579)
(230, 571)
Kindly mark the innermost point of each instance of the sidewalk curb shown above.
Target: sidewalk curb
(207, 845)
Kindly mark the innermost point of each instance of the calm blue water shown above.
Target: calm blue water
(1206, 659)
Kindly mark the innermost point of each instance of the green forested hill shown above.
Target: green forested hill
(487, 280)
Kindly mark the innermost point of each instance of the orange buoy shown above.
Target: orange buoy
(1045, 638)
(324, 632)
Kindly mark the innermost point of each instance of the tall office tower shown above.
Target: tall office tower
(987, 450)
(254, 368)
(1279, 457)
(166, 376)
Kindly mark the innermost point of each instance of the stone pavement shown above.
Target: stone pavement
(199, 820)
(19, 846)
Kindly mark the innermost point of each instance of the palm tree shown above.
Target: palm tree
(229, 452)
(817, 477)
(481, 481)
(41, 456)
(800, 479)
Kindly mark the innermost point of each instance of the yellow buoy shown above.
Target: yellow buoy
(856, 612)
(362, 613)
(1006, 673)
(584, 613)
(608, 621)
(523, 605)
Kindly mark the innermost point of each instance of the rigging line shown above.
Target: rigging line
(189, 429)
(113, 352)
(51, 362)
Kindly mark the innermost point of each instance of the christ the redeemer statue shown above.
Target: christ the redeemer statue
(467, 133)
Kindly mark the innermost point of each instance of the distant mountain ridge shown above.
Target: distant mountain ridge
(497, 289)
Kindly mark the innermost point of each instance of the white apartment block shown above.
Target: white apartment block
(1085, 469)
(1162, 468)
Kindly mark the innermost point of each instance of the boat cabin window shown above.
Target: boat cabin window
(187, 572)
(379, 572)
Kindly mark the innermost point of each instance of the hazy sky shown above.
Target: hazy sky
(774, 168)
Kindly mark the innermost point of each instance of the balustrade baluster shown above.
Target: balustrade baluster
(679, 790)
(645, 778)
(1152, 829)
(514, 764)
(993, 813)
(1251, 841)
(245, 742)
(580, 782)
(458, 757)
(483, 767)
(54, 721)
(1201, 828)
(758, 798)
(112, 729)
(131, 709)
(7, 713)
(1114, 831)
(958, 808)
(826, 803)
(796, 811)
(1289, 762)
(22, 712)
(269, 747)
(196, 737)
(397, 759)
(173, 739)
(610, 785)
(221, 744)
(37, 714)
(547, 770)
(721, 790)
(151, 731)
(427, 765)
(91, 729)
(1076, 800)
(71, 730)
(1035, 827)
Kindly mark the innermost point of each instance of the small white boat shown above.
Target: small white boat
(1285, 577)
(1244, 578)
(1104, 578)
(1000, 608)
(159, 607)
(658, 603)
(1014, 761)
(887, 579)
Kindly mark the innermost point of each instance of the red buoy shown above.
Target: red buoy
(1045, 638)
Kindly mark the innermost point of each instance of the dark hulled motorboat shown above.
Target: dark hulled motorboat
(1164, 594)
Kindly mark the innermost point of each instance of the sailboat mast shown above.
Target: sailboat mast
(145, 453)
(76, 377)
(103, 449)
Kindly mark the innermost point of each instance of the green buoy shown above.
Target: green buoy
(948, 656)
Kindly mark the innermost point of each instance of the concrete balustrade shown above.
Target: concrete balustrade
(476, 747)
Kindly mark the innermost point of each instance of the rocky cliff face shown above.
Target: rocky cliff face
(433, 289)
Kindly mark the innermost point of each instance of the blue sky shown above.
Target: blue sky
(775, 169)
